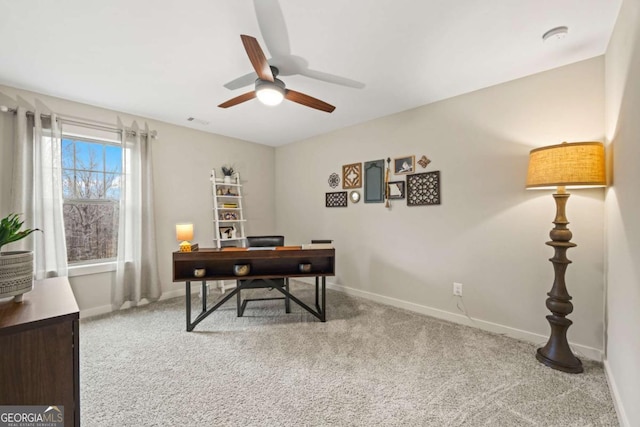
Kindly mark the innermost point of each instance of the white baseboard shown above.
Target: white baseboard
(615, 395)
(582, 350)
(95, 311)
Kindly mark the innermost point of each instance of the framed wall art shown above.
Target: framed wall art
(352, 176)
(374, 181)
(403, 165)
(395, 190)
(423, 189)
(227, 233)
(336, 199)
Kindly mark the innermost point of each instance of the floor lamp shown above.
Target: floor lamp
(573, 165)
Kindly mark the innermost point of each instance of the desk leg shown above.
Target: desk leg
(317, 291)
(204, 295)
(287, 301)
(324, 298)
(187, 298)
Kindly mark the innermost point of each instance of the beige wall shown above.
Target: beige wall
(182, 160)
(489, 232)
(623, 213)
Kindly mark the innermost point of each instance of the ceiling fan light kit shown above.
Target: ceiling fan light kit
(268, 89)
(270, 93)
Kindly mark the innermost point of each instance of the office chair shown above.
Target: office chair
(263, 241)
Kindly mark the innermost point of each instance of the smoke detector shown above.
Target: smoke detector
(555, 34)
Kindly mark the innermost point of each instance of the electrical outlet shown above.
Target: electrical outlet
(457, 289)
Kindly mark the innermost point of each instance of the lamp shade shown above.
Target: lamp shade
(576, 164)
(184, 232)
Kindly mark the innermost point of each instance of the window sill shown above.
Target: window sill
(85, 269)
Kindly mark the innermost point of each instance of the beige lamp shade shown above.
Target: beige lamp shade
(184, 232)
(573, 165)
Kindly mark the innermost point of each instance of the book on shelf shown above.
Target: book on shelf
(229, 205)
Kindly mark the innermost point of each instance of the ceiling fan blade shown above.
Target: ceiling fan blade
(238, 99)
(272, 27)
(242, 81)
(330, 78)
(257, 58)
(308, 101)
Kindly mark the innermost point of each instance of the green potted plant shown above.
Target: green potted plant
(227, 171)
(16, 267)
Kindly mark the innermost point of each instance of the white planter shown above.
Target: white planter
(227, 179)
(16, 273)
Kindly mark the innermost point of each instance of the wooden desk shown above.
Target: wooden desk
(265, 264)
(39, 349)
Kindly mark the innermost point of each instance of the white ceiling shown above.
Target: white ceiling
(169, 60)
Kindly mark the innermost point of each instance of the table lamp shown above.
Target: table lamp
(184, 233)
(572, 165)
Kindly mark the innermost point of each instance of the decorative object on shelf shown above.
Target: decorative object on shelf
(374, 181)
(228, 216)
(352, 176)
(354, 196)
(241, 269)
(304, 268)
(184, 233)
(227, 171)
(199, 272)
(386, 184)
(423, 189)
(16, 267)
(334, 180)
(395, 190)
(227, 233)
(424, 161)
(336, 199)
(577, 165)
(402, 165)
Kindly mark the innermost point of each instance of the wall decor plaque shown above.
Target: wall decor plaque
(337, 199)
(334, 180)
(352, 176)
(374, 181)
(423, 189)
(424, 161)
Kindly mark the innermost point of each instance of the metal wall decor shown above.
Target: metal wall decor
(423, 189)
(334, 180)
(352, 176)
(374, 181)
(336, 199)
(424, 161)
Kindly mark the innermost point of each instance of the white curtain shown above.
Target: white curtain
(137, 266)
(36, 191)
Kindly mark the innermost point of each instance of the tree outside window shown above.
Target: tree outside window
(91, 177)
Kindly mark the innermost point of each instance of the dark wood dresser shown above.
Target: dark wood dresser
(39, 351)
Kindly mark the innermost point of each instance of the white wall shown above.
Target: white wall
(623, 213)
(489, 232)
(182, 161)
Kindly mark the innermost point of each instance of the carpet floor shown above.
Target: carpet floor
(369, 364)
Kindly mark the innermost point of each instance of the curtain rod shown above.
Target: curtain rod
(80, 122)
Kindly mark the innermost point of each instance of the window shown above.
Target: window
(91, 176)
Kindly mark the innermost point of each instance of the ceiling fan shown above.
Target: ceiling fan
(269, 89)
